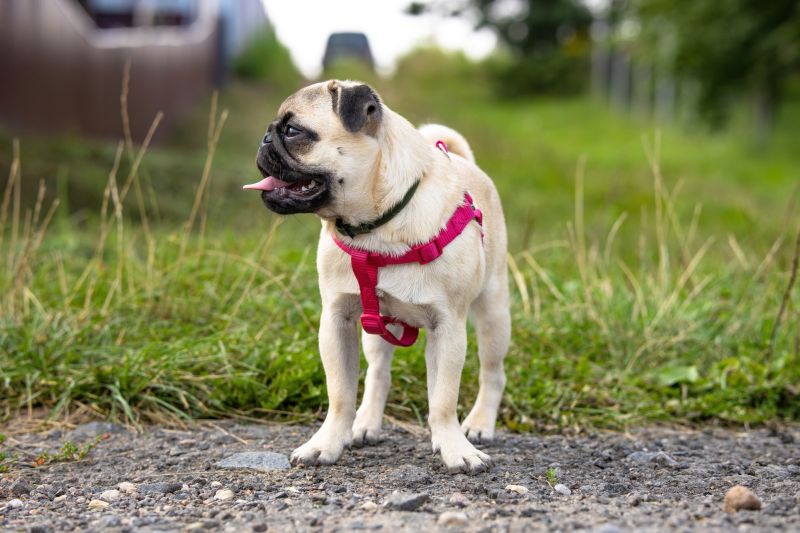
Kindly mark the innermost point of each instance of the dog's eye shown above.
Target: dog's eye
(291, 131)
(267, 138)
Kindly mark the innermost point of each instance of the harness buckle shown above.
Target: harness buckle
(429, 252)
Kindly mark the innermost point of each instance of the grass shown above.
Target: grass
(552, 476)
(651, 272)
(17, 457)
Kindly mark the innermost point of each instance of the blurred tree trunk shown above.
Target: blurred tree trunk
(764, 99)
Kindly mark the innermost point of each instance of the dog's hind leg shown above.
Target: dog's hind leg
(367, 425)
(492, 319)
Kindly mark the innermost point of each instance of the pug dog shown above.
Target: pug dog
(336, 150)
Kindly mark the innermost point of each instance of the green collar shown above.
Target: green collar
(352, 231)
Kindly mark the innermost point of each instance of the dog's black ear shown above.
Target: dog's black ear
(358, 107)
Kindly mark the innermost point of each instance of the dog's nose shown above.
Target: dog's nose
(267, 138)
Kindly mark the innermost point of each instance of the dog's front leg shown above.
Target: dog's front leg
(445, 352)
(378, 352)
(338, 347)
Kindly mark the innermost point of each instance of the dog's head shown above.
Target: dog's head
(321, 148)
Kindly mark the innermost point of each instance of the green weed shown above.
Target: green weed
(552, 477)
(3, 456)
(69, 452)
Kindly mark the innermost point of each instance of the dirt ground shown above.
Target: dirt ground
(652, 479)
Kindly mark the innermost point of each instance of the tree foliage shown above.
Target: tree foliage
(730, 47)
(547, 40)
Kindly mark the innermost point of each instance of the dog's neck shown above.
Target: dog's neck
(406, 158)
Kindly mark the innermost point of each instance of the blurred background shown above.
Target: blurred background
(556, 79)
(647, 153)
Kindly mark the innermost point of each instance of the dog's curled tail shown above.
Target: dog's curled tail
(456, 143)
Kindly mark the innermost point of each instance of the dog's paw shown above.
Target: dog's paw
(365, 436)
(478, 429)
(460, 456)
(367, 427)
(324, 448)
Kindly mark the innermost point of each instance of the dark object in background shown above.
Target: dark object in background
(135, 13)
(62, 61)
(347, 46)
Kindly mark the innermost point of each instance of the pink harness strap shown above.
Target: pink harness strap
(366, 264)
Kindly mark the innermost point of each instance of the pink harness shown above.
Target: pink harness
(366, 264)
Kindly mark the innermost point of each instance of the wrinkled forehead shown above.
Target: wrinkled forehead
(312, 101)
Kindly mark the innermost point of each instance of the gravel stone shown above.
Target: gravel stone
(126, 487)
(92, 430)
(224, 494)
(404, 501)
(607, 528)
(459, 499)
(160, 488)
(658, 458)
(110, 495)
(741, 498)
(519, 489)
(261, 461)
(16, 503)
(621, 494)
(452, 519)
(109, 521)
(97, 505)
(562, 489)
(20, 488)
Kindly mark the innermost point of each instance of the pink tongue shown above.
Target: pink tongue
(267, 184)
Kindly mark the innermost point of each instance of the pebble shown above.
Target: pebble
(562, 489)
(97, 505)
(160, 488)
(519, 489)
(452, 518)
(127, 487)
(369, 506)
(110, 495)
(607, 528)
(92, 430)
(15, 503)
(20, 488)
(261, 461)
(459, 499)
(404, 501)
(59, 499)
(741, 498)
(659, 458)
(110, 521)
(223, 494)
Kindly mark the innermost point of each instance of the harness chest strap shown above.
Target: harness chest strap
(365, 266)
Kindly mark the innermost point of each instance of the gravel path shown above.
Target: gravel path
(167, 480)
